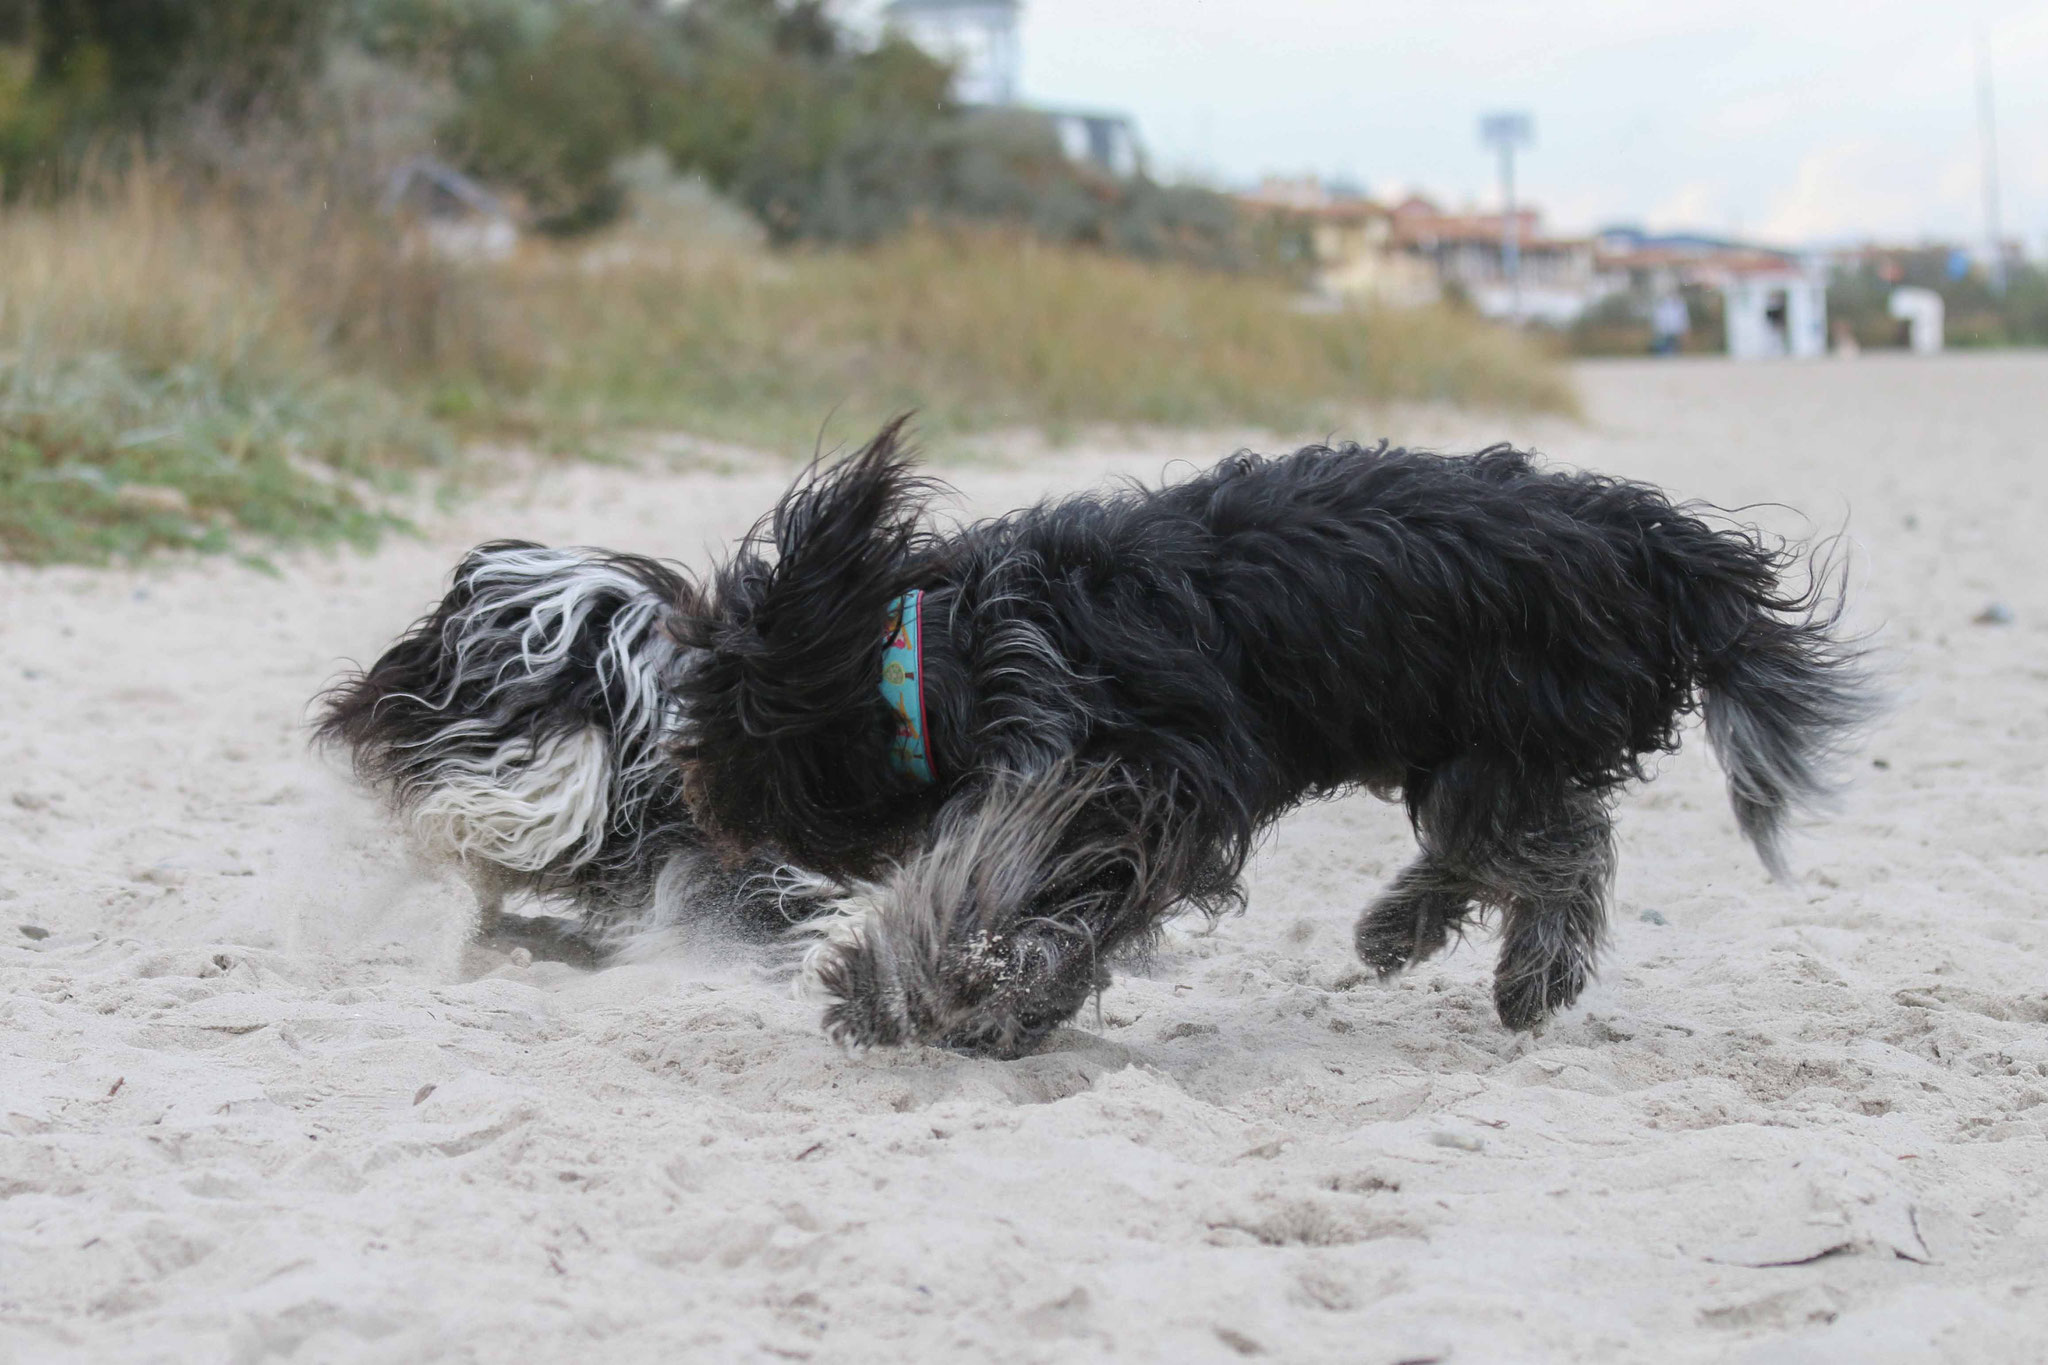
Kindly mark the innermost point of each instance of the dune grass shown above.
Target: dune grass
(159, 389)
(987, 330)
(216, 373)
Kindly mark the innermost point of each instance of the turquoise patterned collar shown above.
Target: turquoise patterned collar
(903, 687)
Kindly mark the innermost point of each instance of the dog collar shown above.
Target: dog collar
(903, 687)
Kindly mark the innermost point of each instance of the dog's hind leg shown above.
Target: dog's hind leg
(492, 885)
(1541, 852)
(1553, 883)
(1430, 900)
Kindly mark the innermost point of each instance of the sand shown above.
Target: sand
(258, 1103)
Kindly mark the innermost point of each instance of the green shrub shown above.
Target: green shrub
(75, 73)
(553, 119)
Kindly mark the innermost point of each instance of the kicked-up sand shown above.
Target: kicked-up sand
(257, 1101)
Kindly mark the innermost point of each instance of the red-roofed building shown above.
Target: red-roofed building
(1351, 243)
(1415, 252)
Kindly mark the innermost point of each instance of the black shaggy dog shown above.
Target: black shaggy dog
(522, 730)
(1122, 690)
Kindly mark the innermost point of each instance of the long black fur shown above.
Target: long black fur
(789, 662)
(1124, 689)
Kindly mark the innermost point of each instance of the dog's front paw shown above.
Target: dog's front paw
(1009, 991)
(993, 994)
(847, 971)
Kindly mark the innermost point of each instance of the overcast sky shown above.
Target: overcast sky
(1791, 120)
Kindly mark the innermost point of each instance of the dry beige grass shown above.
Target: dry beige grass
(982, 329)
(176, 369)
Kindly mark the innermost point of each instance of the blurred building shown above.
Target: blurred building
(1652, 262)
(449, 214)
(1924, 313)
(1774, 303)
(1413, 253)
(1109, 142)
(1350, 242)
(1776, 312)
(1559, 278)
(978, 38)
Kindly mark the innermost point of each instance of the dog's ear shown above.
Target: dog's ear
(788, 736)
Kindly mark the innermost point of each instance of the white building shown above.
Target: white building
(977, 37)
(1776, 312)
(1108, 142)
(1923, 313)
(1556, 278)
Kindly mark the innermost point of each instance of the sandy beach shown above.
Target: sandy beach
(258, 1102)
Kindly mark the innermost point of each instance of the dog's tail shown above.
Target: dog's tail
(1783, 700)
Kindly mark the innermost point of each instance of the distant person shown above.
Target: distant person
(1669, 322)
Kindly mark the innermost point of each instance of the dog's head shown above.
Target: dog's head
(786, 733)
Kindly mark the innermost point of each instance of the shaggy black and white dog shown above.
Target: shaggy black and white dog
(1122, 690)
(522, 730)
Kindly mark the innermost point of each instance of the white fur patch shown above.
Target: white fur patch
(558, 590)
(520, 807)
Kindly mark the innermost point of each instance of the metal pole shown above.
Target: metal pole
(1505, 132)
(1987, 126)
(1510, 232)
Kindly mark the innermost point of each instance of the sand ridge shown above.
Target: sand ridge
(257, 1103)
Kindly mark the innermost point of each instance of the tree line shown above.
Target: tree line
(821, 134)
